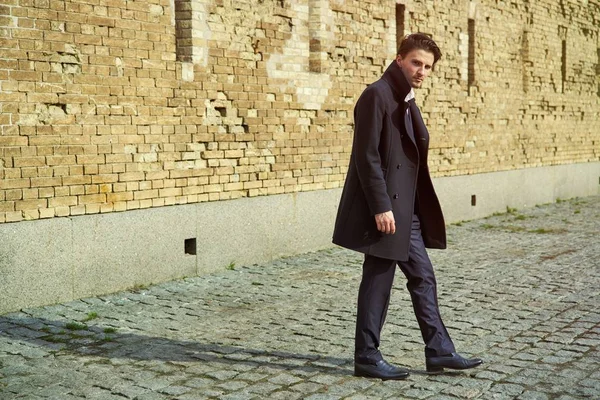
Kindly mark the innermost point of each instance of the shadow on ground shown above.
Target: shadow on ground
(62, 337)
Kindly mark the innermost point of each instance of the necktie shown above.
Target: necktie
(420, 131)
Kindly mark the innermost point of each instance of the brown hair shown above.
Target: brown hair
(419, 41)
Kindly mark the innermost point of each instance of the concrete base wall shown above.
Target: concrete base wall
(521, 188)
(60, 259)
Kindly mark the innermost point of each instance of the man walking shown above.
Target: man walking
(389, 211)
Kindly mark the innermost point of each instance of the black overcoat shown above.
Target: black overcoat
(388, 171)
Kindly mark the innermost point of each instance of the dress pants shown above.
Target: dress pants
(374, 298)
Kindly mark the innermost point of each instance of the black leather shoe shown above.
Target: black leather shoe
(451, 361)
(382, 370)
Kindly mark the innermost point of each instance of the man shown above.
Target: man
(389, 211)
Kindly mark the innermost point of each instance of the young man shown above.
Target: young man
(389, 211)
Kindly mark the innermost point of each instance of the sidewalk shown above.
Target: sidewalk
(520, 290)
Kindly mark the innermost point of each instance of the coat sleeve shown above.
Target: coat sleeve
(368, 121)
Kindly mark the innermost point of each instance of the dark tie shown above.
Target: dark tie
(420, 131)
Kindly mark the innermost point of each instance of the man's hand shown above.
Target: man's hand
(386, 223)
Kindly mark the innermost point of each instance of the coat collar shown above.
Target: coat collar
(395, 78)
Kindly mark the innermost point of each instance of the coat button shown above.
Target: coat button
(398, 166)
(396, 196)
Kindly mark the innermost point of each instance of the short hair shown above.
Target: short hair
(419, 41)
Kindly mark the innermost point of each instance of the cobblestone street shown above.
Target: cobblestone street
(520, 290)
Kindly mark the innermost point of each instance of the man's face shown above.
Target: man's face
(416, 66)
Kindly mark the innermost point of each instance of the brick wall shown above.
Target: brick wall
(113, 105)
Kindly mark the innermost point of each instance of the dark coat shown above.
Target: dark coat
(388, 171)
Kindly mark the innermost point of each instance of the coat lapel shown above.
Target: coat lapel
(400, 86)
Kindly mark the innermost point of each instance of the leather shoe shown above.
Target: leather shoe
(451, 361)
(381, 370)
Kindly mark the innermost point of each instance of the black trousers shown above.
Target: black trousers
(374, 298)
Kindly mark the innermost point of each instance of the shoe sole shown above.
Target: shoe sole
(400, 378)
(437, 370)
(365, 375)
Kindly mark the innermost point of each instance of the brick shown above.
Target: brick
(105, 178)
(14, 216)
(60, 160)
(29, 162)
(40, 182)
(92, 198)
(131, 176)
(101, 21)
(62, 201)
(14, 183)
(76, 180)
(7, 206)
(13, 141)
(30, 204)
(170, 192)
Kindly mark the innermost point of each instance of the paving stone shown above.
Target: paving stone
(232, 386)
(417, 393)
(361, 397)
(251, 376)
(240, 396)
(306, 387)
(533, 395)
(323, 396)
(129, 391)
(222, 375)
(332, 379)
(155, 396)
(507, 388)
(262, 388)
(285, 379)
(522, 380)
(174, 390)
(285, 395)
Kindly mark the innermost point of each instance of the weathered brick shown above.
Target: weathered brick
(13, 216)
(41, 182)
(92, 198)
(29, 161)
(30, 204)
(14, 183)
(62, 201)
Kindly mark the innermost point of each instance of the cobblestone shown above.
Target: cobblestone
(520, 289)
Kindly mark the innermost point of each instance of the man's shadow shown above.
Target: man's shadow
(89, 339)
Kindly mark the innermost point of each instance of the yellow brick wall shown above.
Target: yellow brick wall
(100, 111)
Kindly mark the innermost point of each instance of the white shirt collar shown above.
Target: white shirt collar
(410, 95)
